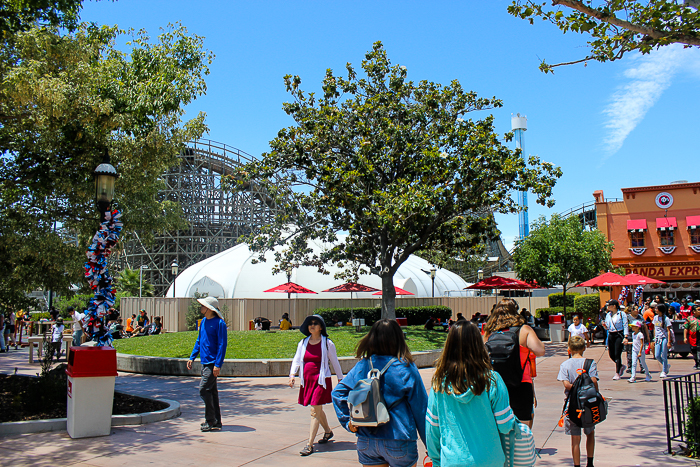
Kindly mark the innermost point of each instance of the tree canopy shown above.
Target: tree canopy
(64, 100)
(561, 252)
(617, 26)
(20, 15)
(394, 164)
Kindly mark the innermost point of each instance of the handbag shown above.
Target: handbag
(519, 446)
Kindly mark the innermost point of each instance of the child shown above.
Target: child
(578, 329)
(638, 351)
(568, 372)
(690, 334)
(468, 406)
(56, 338)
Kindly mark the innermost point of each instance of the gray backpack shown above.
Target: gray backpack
(366, 402)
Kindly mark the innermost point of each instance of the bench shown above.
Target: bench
(39, 340)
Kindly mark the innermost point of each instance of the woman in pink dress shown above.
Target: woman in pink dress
(312, 360)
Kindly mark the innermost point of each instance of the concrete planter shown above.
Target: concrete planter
(59, 424)
(237, 367)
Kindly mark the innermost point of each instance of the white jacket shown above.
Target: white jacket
(328, 353)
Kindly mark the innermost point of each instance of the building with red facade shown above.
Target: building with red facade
(656, 232)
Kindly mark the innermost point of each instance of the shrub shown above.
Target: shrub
(557, 299)
(415, 315)
(80, 302)
(692, 427)
(193, 313)
(588, 305)
(552, 310)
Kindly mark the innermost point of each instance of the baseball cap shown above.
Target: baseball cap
(613, 302)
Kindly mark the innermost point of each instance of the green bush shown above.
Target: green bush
(80, 302)
(415, 315)
(552, 310)
(193, 313)
(692, 427)
(557, 299)
(587, 305)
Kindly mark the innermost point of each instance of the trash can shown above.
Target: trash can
(556, 328)
(91, 372)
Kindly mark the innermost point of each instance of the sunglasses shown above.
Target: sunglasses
(314, 323)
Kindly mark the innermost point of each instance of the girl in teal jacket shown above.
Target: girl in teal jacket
(468, 404)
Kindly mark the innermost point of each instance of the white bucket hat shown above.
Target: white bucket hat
(212, 303)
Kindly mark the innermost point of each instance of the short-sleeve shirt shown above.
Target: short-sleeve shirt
(648, 314)
(637, 342)
(568, 370)
(692, 324)
(579, 330)
(661, 332)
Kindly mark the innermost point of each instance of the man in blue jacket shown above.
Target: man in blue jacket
(211, 348)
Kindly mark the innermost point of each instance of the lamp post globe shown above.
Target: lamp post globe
(174, 268)
(105, 177)
(433, 272)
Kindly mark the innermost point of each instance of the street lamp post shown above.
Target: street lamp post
(433, 271)
(143, 266)
(174, 268)
(480, 277)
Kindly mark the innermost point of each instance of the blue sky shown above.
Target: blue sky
(609, 126)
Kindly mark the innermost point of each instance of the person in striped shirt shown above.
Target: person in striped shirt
(468, 405)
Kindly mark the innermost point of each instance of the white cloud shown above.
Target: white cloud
(648, 77)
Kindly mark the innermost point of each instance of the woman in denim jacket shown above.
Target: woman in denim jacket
(394, 443)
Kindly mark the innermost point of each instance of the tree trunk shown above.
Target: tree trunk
(388, 297)
(563, 296)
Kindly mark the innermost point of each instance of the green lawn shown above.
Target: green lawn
(258, 344)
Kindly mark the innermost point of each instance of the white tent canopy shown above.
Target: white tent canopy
(231, 274)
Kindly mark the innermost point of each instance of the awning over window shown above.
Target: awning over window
(693, 222)
(637, 225)
(666, 223)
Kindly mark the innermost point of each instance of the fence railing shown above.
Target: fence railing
(679, 392)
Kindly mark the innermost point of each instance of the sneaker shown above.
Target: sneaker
(641, 371)
(632, 380)
(616, 377)
(219, 425)
(629, 370)
(207, 427)
(662, 375)
(648, 378)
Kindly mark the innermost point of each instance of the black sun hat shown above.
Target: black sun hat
(304, 328)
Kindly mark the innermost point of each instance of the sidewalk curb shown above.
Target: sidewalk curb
(238, 367)
(59, 424)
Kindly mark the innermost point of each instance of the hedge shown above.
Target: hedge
(557, 300)
(552, 310)
(415, 315)
(587, 305)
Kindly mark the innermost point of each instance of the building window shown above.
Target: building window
(636, 239)
(666, 238)
(694, 236)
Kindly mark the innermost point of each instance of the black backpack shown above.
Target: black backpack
(584, 405)
(504, 350)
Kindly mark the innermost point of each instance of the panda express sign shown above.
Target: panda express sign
(667, 271)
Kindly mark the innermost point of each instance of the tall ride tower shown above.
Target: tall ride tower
(519, 126)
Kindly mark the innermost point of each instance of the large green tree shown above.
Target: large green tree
(561, 252)
(65, 99)
(394, 164)
(618, 26)
(20, 15)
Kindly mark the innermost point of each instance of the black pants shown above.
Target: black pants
(694, 351)
(210, 395)
(615, 349)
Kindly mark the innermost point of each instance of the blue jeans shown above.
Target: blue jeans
(661, 353)
(77, 336)
(395, 452)
(641, 358)
(2, 338)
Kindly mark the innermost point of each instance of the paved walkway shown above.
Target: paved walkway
(263, 425)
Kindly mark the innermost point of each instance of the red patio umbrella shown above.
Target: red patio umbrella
(399, 291)
(609, 279)
(638, 279)
(503, 283)
(351, 287)
(289, 288)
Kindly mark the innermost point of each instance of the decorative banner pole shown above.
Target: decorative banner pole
(105, 238)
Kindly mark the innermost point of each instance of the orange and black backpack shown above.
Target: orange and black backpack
(584, 405)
